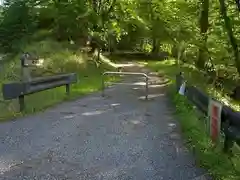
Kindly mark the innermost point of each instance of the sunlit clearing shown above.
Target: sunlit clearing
(93, 113)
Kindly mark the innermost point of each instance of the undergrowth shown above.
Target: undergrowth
(58, 58)
(219, 165)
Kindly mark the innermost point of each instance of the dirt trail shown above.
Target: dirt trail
(118, 137)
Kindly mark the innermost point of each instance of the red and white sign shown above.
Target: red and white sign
(214, 112)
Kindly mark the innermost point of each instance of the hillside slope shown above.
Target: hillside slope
(57, 58)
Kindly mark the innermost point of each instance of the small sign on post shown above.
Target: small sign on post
(214, 114)
(182, 88)
(28, 62)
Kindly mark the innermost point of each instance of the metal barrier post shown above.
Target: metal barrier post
(103, 85)
(21, 103)
(67, 89)
(146, 88)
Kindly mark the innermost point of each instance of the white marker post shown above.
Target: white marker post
(182, 88)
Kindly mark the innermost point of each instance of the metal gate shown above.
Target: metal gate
(125, 73)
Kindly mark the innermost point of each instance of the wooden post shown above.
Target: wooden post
(25, 71)
(21, 103)
(228, 144)
(146, 97)
(26, 74)
(67, 89)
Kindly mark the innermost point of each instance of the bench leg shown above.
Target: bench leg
(21, 103)
(67, 89)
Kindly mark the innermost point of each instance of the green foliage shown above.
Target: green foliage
(218, 164)
(193, 126)
(126, 24)
(195, 32)
(17, 21)
(58, 58)
(133, 25)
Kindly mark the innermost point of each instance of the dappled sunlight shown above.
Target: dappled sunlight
(55, 57)
(167, 62)
(136, 88)
(167, 36)
(109, 62)
(85, 89)
(175, 136)
(78, 58)
(40, 62)
(94, 98)
(172, 125)
(125, 65)
(153, 74)
(69, 116)
(115, 104)
(151, 86)
(7, 164)
(158, 85)
(151, 96)
(4, 168)
(93, 113)
(139, 83)
(135, 122)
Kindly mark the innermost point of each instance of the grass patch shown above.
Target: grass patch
(219, 165)
(58, 58)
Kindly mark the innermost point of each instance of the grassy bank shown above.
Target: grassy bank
(219, 165)
(58, 58)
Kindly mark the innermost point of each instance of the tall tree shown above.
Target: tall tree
(204, 24)
(232, 39)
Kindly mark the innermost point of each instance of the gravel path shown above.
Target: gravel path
(118, 137)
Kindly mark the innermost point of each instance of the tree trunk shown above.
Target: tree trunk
(231, 37)
(155, 48)
(202, 53)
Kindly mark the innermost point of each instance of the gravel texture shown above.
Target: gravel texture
(120, 137)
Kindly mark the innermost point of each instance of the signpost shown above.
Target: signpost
(214, 113)
(27, 63)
